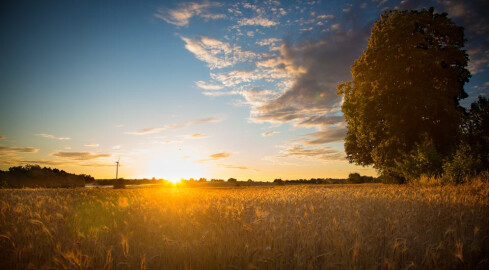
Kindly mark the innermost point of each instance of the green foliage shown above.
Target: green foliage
(463, 165)
(402, 108)
(472, 155)
(423, 160)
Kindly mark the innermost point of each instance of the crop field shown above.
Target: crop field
(369, 226)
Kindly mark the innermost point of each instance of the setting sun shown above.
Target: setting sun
(246, 134)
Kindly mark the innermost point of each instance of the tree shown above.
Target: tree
(472, 155)
(403, 101)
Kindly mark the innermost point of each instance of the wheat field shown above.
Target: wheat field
(370, 226)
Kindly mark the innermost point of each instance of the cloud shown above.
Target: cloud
(92, 145)
(271, 42)
(216, 156)
(168, 141)
(324, 62)
(326, 136)
(64, 163)
(195, 122)
(269, 133)
(181, 16)
(198, 136)
(215, 53)
(79, 155)
(49, 136)
(321, 153)
(321, 121)
(257, 21)
(117, 147)
(229, 166)
(335, 26)
(176, 126)
(208, 86)
(8, 150)
(147, 131)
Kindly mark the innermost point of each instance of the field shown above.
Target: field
(370, 226)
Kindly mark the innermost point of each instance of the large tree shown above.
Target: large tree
(402, 107)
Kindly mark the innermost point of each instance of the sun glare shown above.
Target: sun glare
(172, 168)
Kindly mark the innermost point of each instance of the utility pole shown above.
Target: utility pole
(117, 170)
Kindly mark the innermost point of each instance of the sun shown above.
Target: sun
(173, 168)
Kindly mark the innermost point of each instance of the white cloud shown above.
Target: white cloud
(215, 53)
(257, 21)
(208, 86)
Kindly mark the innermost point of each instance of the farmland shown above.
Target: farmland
(283, 227)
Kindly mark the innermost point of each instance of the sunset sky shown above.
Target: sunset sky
(243, 89)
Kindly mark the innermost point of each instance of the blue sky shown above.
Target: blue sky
(176, 89)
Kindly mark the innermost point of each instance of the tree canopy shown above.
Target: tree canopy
(402, 107)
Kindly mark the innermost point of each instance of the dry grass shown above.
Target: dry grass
(291, 227)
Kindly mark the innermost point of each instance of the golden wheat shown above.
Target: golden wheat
(287, 227)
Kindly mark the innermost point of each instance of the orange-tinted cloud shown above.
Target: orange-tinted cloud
(79, 155)
(50, 136)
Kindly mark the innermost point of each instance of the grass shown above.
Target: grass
(368, 226)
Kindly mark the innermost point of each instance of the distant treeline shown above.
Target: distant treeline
(312, 181)
(111, 182)
(35, 176)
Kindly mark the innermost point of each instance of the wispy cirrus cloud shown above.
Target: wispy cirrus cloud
(145, 131)
(58, 163)
(176, 126)
(208, 86)
(181, 15)
(229, 166)
(329, 135)
(50, 136)
(321, 153)
(198, 136)
(216, 53)
(269, 133)
(215, 156)
(79, 155)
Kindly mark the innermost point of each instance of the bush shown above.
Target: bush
(119, 185)
(462, 166)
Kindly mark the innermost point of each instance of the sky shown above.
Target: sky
(174, 89)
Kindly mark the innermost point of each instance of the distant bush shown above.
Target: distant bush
(356, 178)
(119, 184)
(35, 176)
